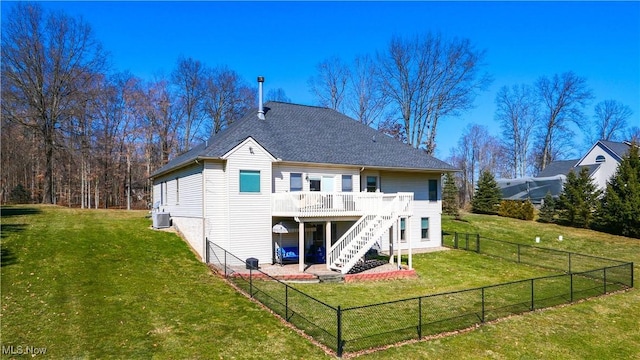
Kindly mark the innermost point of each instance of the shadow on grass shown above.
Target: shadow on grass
(7, 257)
(17, 211)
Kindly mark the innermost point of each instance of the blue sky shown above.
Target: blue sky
(283, 41)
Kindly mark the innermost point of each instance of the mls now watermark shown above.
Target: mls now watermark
(23, 350)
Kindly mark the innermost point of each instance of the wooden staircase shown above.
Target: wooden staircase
(368, 230)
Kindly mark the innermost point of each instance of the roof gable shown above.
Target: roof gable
(309, 134)
(616, 150)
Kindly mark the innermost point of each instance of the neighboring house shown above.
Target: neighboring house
(601, 160)
(334, 185)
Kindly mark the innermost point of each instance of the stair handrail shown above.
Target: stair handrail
(392, 210)
(400, 204)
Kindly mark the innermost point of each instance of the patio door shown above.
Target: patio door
(324, 184)
(327, 184)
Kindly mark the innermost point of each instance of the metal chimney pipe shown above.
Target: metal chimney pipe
(260, 107)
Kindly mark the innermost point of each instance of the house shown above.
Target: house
(601, 160)
(334, 186)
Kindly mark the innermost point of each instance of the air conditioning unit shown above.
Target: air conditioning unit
(161, 220)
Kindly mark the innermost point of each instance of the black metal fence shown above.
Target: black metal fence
(363, 327)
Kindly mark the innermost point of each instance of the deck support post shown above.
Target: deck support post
(327, 245)
(301, 246)
(409, 238)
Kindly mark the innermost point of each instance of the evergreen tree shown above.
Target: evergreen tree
(450, 204)
(487, 196)
(578, 200)
(619, 211)
(548, 209)
(20, 195)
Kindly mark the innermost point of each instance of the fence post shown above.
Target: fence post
(339, 336)
(251, 281)
(605, 281)
(569, 263)
(455, 240)
(482, 306)
(206, 255)
(478, 243)
(420, 318)
(532, 296)
(631, 266)
(286, 302)
(466, 241)
(225, 264)
(571, 286)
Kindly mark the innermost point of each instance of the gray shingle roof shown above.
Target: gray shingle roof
(620, 149)
(559, 167)
(309, 134)
(563, 167)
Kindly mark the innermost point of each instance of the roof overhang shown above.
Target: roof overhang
(368, 167)
(182, 165)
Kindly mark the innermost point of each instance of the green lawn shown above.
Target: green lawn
(101, 284)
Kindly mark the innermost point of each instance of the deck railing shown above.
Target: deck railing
(315, 203)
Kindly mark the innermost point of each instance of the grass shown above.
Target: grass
(100, 284)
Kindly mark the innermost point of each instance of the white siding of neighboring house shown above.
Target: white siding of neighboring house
(282, 172)
(418, 183)
(250, 213)
(607, 168)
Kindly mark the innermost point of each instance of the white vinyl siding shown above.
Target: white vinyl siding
(181, 191)
(216, 206)
(249, 212)
(393, 182)
(606, 169)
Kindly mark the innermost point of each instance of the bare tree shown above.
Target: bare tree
(189, 80)
(330, 83)
(277, 95)
(364, 100)
(517, 112)
(610, 120)
(477, 151)
(562, 97)
(633, 135)
(47, 63)
(428, 78)
(228, 97)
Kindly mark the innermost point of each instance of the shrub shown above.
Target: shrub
(516, 209)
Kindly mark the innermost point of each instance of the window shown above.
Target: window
(402, 229)
(249, 181)
(347, 183)
(177, 190)
(433, 190)
(424, 226)
(372, 183)
(165, 200)
(314, 184)
(295, 182)
(600, 159)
